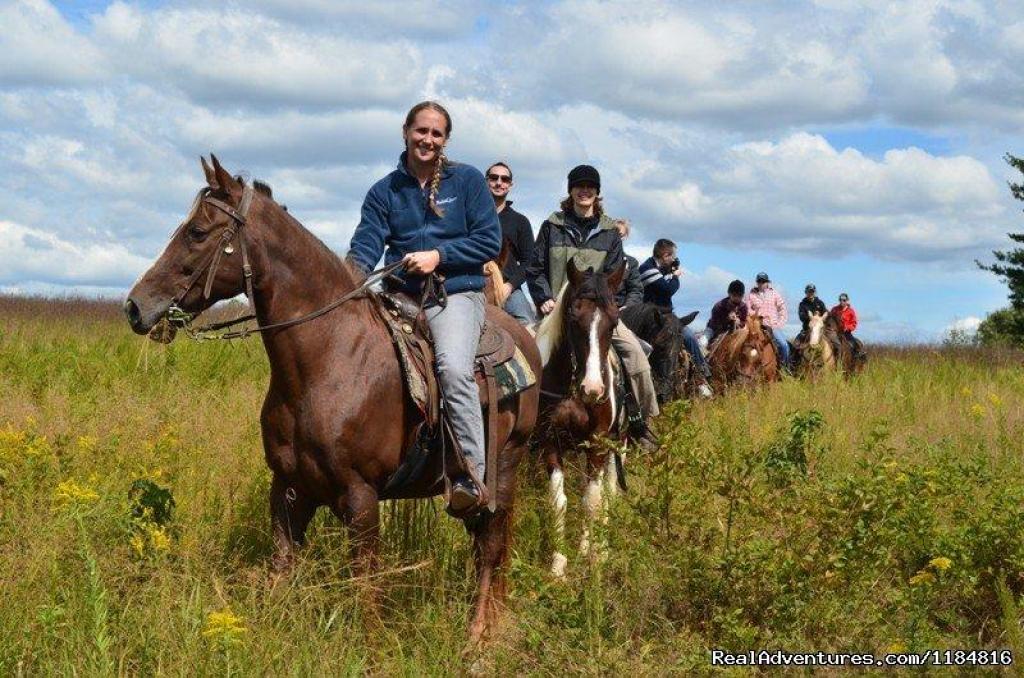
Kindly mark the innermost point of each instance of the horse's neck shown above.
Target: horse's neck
(298, 275)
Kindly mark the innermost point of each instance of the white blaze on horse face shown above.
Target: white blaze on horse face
(815, 325)
(593, 383)
(753, 354)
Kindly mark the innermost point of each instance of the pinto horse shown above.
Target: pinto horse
(746, 355)
(336, 421)
(816, 354)
(578, 398)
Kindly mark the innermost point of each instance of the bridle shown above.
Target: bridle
(212, 261)
(180, 318)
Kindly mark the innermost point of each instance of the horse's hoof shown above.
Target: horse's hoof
(558, 564)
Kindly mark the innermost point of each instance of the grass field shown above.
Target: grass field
(885, 514)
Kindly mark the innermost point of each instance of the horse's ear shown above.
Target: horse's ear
(224, 179)
(615, 279)
(574, 274)
(211, 176)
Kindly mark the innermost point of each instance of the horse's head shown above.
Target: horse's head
(205, 260)
(751, 356)
(815, 326)
(590, 315)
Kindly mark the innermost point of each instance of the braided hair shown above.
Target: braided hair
(442, 159)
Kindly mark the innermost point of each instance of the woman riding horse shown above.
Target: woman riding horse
(438, 217)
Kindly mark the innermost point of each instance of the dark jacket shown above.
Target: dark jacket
(719, 322)
(517, 230)
(396, 215)
(806, 308)
(563, 237)
(659, 284)
(631, 291)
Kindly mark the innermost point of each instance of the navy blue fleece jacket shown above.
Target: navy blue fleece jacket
(396, 215)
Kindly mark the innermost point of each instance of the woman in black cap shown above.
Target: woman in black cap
(582, 232)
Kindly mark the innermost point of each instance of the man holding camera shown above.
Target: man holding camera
(660, 277)
(660, 274)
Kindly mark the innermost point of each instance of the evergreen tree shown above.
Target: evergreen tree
(1009, 264)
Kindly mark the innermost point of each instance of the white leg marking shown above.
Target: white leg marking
(592, 503)
(556, 493)
(593, 383)
(611, 481)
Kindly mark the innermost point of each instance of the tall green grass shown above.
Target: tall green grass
(885, 513)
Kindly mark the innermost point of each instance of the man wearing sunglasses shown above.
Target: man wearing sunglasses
(516, 229)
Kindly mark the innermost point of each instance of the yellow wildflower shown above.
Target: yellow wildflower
(138, 544)
(922, 577)
(70, 492)
(87, 444)
(940, 563)
(158, 538)
(224, 626)
(977, 411)
(896, 648)
(966, 392)
(995, 400)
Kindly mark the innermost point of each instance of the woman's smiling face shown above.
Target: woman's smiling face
(584, 194)
(426, 136)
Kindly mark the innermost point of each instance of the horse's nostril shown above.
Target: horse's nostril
(131, 310)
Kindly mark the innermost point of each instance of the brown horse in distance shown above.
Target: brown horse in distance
(336, 420)
(744, 356)
(578, 397)
(846, 359)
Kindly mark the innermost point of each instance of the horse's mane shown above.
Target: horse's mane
(551, 328)
(347, 267)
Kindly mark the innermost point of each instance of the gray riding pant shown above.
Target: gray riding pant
(456, 329)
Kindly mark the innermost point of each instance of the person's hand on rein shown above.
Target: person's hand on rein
(422, 263)
(547, 306)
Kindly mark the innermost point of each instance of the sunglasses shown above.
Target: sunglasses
(500, 178)
(844, 298)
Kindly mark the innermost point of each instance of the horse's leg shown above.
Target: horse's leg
(359, 509)
(290, 513)
(490, 551)
(556, 493)
(593, 502)
(611, 480)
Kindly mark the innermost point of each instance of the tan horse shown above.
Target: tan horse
(746, 356)
(816, 353)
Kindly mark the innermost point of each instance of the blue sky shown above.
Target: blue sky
(857, 145)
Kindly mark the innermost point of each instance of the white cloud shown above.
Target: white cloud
(31, 254)
(968, 325)
(237, 58)
(39, 48)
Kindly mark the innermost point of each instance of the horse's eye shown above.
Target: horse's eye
(197, 234)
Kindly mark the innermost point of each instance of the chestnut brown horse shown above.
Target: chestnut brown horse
(578, 397)
(336, 421)
(744, 356)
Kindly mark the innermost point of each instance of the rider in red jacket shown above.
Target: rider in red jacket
(846, 317)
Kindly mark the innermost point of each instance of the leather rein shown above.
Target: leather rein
(182, 319)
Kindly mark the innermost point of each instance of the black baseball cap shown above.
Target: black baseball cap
(584, 173)
(762, 277)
